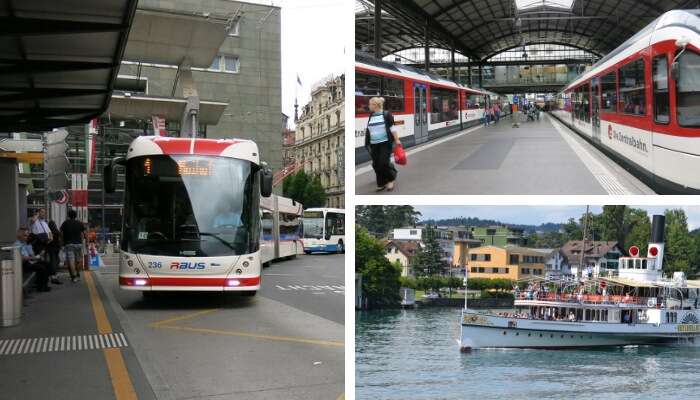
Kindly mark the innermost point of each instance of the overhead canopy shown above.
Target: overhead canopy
(169, 38)
(172, 109)
(59, 60)
(480, 29)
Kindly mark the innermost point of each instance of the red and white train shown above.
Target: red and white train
(424, 105)
(641, 103)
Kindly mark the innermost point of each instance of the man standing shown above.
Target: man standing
(73, 232)
(30, 262)
(40, 230)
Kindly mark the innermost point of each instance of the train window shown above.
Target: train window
(392, 90)
(366, 87)
(585, 103)
(632, 91)
(609, 92)
(661, 96)
(443, 105)
(474, 101)
(688, 90)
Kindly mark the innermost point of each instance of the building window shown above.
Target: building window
(473, 257)
(632, 88)
(225, 63)
(661, 97)
(482, 269)
(473, 269)
(514, 259)
(235, 28)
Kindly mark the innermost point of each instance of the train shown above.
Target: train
(281, 229)
(640, 103)
(425, 105)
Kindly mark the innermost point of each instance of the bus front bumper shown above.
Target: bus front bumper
(141, 283)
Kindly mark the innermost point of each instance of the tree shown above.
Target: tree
(638, 229)
(428, 259)
(572, 230)
(380, 278)
(379, 220)
(314, 194)
(612, 224)
(679, 250)
(304, 189)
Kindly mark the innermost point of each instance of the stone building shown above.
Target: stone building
(320, 132)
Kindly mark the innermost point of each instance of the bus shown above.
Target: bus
(191, 216)
(281, 229)
(324, 230)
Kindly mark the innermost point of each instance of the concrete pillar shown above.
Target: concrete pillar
(481, 76)
(469, 75)
(9, 205)
(452, 64)
(378, 29)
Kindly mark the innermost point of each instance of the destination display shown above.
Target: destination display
(198, 166)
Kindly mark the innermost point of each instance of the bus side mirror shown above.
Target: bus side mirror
(109, 174)
(676, 71)
(266, 182)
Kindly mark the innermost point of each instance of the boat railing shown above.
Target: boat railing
(583, 298)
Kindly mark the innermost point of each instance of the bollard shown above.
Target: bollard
(10, 287)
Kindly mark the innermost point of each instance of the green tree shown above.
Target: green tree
(304, 189)
(428, 259)
(572, 230)
(314, 194)
(379, 220)
(612, 224)
(380, 278)
(637, 228)
(679, 250)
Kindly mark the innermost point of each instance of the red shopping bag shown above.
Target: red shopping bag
(400, 155)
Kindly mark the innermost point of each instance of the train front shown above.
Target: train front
(191, 215)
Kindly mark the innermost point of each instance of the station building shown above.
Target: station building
(508, 262)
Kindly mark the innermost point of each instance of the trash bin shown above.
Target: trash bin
(10, 286)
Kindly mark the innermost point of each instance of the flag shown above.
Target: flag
(299, 80)
(159, 125)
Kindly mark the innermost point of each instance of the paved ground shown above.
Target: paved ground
(542, 157)
(286, 343)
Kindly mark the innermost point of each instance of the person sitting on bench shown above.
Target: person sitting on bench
(32, 263)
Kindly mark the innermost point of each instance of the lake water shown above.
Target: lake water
(413, 354)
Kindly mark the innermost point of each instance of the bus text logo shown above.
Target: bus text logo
(187, 265)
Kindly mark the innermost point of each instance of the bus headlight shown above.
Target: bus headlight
(140, 282)
(233, 282)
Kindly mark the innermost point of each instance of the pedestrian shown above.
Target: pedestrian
(486, 116)
(380, 137)
(40, 231)
(31, 262)
(52, 251)
(73, 233)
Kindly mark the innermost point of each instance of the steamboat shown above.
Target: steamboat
(635, 306)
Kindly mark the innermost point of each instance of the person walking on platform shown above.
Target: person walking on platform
(73, 233)
(486, 116)
(52, 250)
(32, 263)
(380, 138)
(496, 113)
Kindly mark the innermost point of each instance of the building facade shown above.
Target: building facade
(508, 262)
(599, 257)
(319, 138)
(403, 252)
(245, 75)
(499, 236)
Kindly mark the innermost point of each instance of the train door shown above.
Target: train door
(420, 112)
(595, 108)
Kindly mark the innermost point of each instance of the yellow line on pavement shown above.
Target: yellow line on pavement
(254, 335)
(118, 374)
(182, 317)
(341, 397)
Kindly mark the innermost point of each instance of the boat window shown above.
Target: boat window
(644, 264)
(632, 88)
(661, 97)
(637, 263)
(688, 90)
(588, 315)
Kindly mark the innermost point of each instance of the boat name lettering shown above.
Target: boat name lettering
(474, 319)
(689, 328)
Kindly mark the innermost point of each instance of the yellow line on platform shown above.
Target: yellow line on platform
(341, 397)
(182, 317)
(118, 374)
(253, 335)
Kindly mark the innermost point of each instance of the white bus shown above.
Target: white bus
(324, 230)
(191, 214)
(281, 228)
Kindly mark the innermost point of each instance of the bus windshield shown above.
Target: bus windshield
(313, 224)
(191, 206)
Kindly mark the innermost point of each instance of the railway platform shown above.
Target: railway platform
(540, 157)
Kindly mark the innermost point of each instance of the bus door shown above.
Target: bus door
(595, 108)
(420, 113)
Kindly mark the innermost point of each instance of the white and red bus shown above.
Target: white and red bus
(641, 103)
(281, 228)
(425, 106)
(191, 218)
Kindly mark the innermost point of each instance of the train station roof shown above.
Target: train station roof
(125, 106)
(59, 60)
(480, 29)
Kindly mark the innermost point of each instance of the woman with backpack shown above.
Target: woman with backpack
(380, 138)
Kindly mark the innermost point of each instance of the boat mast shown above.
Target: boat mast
(579, 272)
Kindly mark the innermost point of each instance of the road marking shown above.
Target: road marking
(118, 374)
(605, 177)
(254, 335)
(182, 317)
(315, 289)
(419, 148)
(68, 343)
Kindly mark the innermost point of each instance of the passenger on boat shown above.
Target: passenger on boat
(572, 317)
(626, 318)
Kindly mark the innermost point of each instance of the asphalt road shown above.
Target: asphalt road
(285, 343)
(541, 157)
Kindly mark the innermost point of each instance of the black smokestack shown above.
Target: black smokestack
(657, 229)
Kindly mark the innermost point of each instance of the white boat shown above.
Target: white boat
(636, 307)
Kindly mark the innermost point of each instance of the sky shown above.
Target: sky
(314, 36)
(535, 215)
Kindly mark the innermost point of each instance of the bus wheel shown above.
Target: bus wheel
(341, 248)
